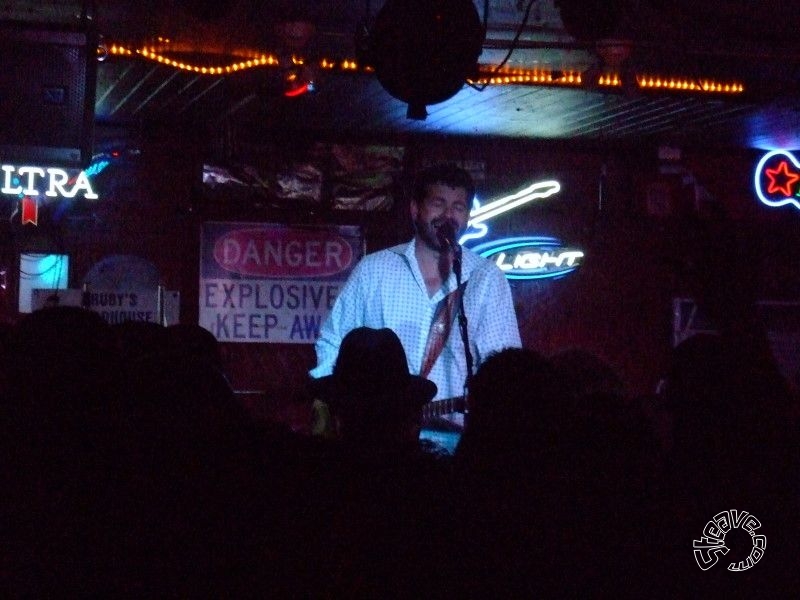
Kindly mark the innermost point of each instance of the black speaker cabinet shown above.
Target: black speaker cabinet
(48, 75)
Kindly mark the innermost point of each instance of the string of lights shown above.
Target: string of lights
(487, 74)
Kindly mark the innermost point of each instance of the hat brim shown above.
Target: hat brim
(418, 391)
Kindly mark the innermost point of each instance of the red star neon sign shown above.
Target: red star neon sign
(781, 179)
(777, 171)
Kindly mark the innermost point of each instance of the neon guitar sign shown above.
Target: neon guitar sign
(533, 257)
(777, 179)
(476, 225)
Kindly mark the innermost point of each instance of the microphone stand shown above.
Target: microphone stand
(462, 326)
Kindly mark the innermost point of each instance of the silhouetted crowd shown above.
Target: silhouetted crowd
(131, 470)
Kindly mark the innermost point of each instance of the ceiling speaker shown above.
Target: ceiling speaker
(48, 75)
(591, 20)
(424, 50)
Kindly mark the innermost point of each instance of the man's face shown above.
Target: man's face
(442, 203)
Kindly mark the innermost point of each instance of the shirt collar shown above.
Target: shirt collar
(469, 260)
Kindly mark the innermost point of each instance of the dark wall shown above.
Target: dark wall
(652, 230)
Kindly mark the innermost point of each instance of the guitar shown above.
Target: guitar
(434, 413)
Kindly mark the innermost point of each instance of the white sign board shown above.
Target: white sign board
(114, 306)
(268, 283)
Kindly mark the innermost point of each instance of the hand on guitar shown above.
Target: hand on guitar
(446, 414)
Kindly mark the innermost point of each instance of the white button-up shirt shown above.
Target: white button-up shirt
(386, 289)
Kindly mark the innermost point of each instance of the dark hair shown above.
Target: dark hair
(444, 173)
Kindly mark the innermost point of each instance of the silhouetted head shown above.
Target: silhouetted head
(194, 340)
(516, 399)
(371, 387)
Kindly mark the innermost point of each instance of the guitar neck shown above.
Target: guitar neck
(437, 408)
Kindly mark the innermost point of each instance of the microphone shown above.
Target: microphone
(446, 234)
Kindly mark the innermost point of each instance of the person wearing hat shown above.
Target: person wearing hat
(371, 394)
(421, 289)
(376, 490)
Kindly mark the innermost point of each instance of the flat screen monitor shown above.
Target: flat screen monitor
(47, 271)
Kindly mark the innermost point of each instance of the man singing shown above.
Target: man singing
(412, 288)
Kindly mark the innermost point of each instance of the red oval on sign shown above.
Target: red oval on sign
(283, 252)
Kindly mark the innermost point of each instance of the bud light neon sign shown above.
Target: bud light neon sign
(533, 257)
(777, 179)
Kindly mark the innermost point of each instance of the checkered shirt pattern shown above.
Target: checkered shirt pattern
(386, 289)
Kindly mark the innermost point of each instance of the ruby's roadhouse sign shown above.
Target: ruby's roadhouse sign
(272, 283)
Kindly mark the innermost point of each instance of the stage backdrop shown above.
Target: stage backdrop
(272, 283)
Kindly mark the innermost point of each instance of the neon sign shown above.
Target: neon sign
(777, 179)
(534, 257)
(28, 182)
(476, 226)
(58, 182)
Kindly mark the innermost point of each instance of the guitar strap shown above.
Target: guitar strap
(440, 328)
